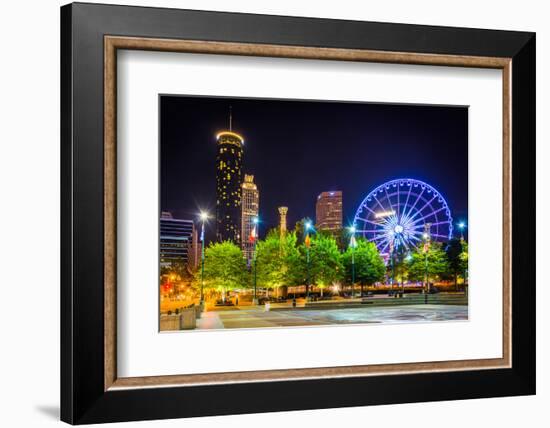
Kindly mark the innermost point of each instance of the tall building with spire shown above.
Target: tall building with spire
(329, 211)
(249, 211)
(229, 160)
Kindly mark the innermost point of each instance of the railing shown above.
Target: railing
(407, 299)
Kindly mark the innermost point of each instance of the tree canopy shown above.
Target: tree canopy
(224, 267)
(269, 263)
(278, 261)
(369, 266)
(457, 255)
(325, 261)
(281, 260)
(437, 263)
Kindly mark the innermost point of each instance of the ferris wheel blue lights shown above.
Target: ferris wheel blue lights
(401, 213)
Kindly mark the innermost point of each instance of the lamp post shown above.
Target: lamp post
(204, 218)
(392, 262)
(461, 227)
(408, 259)
(426, 249)
(307, 243)
(253, 236)
(353, 245)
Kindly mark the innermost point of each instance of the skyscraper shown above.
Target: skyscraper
(249, 210)
(328, 211)
(175, 235)
(228, 185)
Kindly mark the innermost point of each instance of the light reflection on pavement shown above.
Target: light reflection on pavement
(258, 318)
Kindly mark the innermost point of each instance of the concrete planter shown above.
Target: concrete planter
(198, 311)
(188, 319)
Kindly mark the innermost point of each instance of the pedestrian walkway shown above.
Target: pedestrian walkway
(257, 317)
(209, 321)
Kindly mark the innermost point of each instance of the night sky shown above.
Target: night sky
(298, 149)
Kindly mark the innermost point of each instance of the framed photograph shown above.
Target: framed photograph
(241, 246)
(265, 213)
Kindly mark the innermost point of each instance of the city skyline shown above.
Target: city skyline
(376, 191)
(293, 171)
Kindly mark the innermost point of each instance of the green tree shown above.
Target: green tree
(464, 260)
(224, 267)
(454, 252)
(278, 261)
(436, 264)
(369, 265)
(270, 272)
(299, 229)
(325, 261)
(295, 260)
(177, 268)
(340, 236)
(397, 266)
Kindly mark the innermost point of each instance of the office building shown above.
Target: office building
(329, 211)
(175, 236)
(249, 211)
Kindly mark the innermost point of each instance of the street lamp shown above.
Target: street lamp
(253, 236)
(392, 251)
(307, 243)
(426, 249)
(408, 259)
(352, 244)
(204, 218)
(461, 227)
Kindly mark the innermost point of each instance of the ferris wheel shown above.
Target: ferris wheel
(401, 213)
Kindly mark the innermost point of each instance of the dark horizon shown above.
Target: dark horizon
(298, 149)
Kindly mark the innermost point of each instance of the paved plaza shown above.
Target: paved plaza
(258, 318)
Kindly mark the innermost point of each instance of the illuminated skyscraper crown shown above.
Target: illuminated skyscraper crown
(228, 184)
(230, 137)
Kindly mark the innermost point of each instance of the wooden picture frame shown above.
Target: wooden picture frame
(91, 390)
